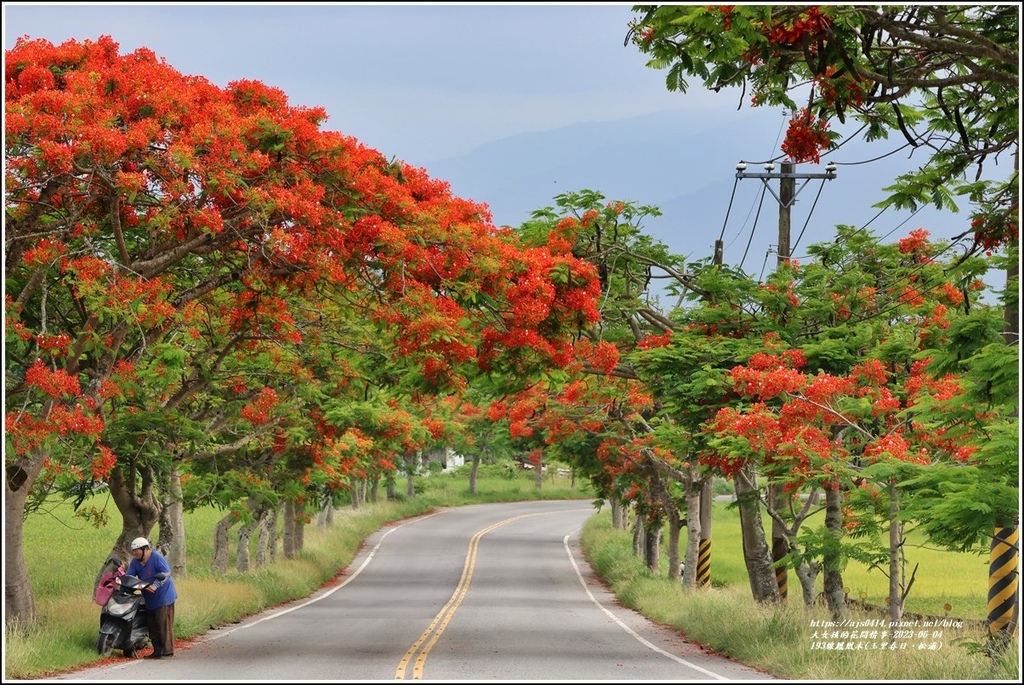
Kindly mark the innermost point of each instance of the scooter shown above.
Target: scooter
(123, 618)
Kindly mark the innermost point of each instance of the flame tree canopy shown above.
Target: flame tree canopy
(145, 207)
(943, 79)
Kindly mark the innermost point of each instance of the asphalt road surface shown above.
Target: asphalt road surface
(483, 592)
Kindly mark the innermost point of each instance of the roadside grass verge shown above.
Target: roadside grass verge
(785, 641)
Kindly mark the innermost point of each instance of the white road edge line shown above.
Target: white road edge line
(330, 592)
(659, 650)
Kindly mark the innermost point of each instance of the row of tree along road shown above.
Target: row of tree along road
(212, 301)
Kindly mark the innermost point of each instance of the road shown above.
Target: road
(481, 592)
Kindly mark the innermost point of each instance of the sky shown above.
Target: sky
(420, 82)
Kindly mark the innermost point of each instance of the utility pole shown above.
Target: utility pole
(787, 196)
(788, 192)
(786, 186)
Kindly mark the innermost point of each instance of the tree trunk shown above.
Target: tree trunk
(673, 521)
(133, 490)
(410, 474)
(473, 470)
(300, 533)
(652, 546)
(172, 528)
(675, 524)
(638, 537)
(219, 563)
(808, 574)
(538, 475)
(694, 532)
(756, 553)
(832, 581)
(1004, 550)
(321, 516)
(325, 515)
(19, 600)
(375, 489)
(895, 545)
(780, 544)
(617, 523)
(806, 570)
(357, 493)
(242, 554)
(262, 538)
(288, 534)
(272, 534)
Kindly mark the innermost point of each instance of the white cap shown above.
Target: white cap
(139, 543)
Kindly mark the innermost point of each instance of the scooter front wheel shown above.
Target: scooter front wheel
(105, 644)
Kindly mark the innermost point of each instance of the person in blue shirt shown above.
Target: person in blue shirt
(159, 596)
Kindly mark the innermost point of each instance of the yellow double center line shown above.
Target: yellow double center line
(440, 622)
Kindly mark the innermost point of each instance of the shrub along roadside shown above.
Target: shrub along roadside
(64, 554)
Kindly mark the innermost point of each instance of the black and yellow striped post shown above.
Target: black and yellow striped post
(707, 500)
(1002, 581)
(704, 563)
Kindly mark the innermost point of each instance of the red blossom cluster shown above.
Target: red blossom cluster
(843, 89)
(806, 137)
(993, 231)
(258, 410)
(653, 341)
(56, 383)
(809, 24)
(103, 463)
(917, 241)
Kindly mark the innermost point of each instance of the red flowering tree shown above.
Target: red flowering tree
(137, 196)
(859, 303)
(941, 77)
(603, 423)
(838, 398)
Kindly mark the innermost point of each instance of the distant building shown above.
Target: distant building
(448, 458)
(453, 460)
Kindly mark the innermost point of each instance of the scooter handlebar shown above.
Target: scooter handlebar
(133, 582)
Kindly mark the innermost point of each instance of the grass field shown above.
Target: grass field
(64, 553)
(942, 577)
(785, 641)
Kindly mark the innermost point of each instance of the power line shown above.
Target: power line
(728, 211)
(753, 228)
(809, 215)
(767, 252)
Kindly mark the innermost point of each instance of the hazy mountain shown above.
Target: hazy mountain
(684, 162)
